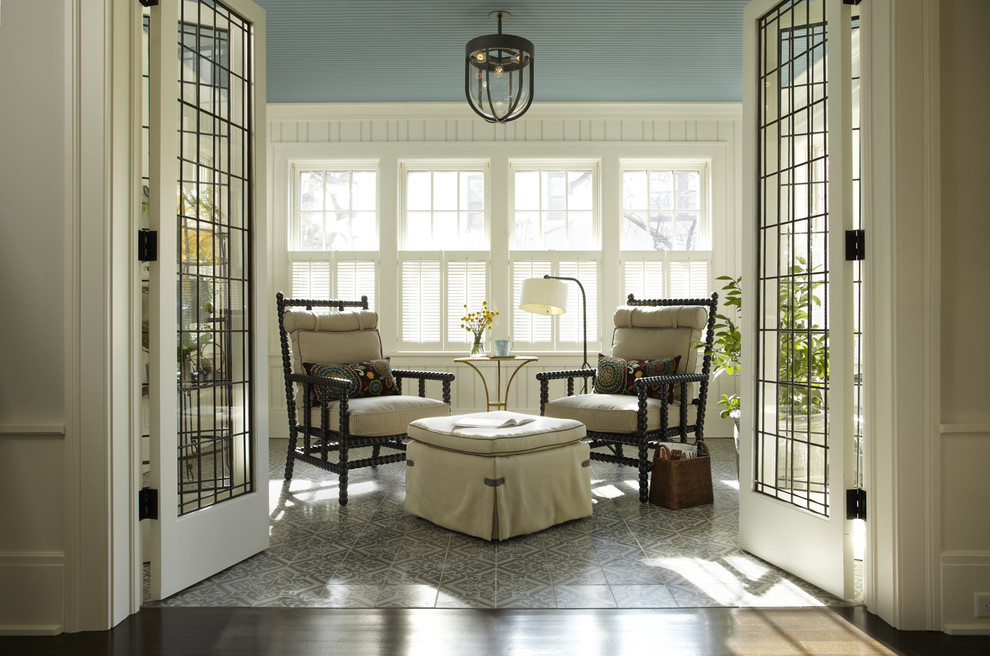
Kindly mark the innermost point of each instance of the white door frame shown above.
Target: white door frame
(902, 458)
(903, 536)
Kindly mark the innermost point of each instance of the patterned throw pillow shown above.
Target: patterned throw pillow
(372, 378)
(616, 375)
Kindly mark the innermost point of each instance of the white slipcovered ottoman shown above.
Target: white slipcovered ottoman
(494, 483)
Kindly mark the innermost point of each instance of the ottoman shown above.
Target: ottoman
(494, 483)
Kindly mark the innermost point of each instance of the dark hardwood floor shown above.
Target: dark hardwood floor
(437, 632)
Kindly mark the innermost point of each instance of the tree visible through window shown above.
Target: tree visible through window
(665, 241)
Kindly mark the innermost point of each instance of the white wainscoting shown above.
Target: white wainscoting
(965, 524)
(32, 558)
(33, 585)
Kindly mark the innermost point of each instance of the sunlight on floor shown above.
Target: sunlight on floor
(725, 588)
(607, 491)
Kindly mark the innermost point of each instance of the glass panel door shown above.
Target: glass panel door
(797, 433)
(209, 457)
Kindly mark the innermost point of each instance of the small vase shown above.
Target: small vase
(478, 347)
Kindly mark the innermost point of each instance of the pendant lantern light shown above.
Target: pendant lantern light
(498, 76)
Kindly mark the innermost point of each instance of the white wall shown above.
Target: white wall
(965, 270)
(33, 192)
(329, 131)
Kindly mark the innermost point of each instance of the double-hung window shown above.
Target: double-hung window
(333, 231)
(555, 229)
(444, 245)
(665, 242)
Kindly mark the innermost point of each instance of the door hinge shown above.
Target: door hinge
(154, 3)
(856, 503)
(855, 245)
(147, 245)
(147, 503)
(845, 2)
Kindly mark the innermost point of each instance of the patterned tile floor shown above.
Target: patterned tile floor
(373, 554)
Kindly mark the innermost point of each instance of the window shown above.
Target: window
(444, 256)
(554, 209)
(458, 231)
(337, 211)
(333, 232)
(555, 230)
(665, 240)
(444, 207)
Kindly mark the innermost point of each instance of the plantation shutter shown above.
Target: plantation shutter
(356, 278)
(571, 325)
(526, 326)
(467, 284)
(309, 279)
(643, 280)
(689, 279)
(420, 302)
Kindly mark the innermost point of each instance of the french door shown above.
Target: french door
(206, 321)
(798, 439)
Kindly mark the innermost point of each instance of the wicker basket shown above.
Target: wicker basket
(683, 483)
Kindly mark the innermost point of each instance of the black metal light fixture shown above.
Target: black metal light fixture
(498, 74)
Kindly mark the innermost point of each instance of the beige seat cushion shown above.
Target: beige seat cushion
(614, 413)
(537, 435)
(377, 416)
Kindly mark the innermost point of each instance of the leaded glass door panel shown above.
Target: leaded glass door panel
(207, 335)
(797, 425)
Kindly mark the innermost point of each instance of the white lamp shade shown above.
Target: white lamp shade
(543, 296)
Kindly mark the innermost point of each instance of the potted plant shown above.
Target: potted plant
(802, 348)
(727, 344)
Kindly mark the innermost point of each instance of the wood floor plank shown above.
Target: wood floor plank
(439, 632)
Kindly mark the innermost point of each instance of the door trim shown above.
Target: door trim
(903, 263)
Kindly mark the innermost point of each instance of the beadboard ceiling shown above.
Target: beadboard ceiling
(586, 51)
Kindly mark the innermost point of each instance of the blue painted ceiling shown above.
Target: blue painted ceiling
(586, 51)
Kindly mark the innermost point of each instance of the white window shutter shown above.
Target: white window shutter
(309, 279)
(467, 284)
(571, 326)
(356, 278)
(420, 303)
(643, 280)
(689, 279)
(526, 326)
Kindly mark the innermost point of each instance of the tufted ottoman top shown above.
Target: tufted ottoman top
(537, 435)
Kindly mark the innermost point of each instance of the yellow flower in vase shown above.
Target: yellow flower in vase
(477, 323)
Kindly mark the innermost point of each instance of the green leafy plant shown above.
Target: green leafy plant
(802, 345)
(727, 341)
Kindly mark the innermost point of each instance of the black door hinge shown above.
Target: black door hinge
(855, 245)
(147, 245)
(856, 503)
(147, 503)
(845, 2)
(154, 3)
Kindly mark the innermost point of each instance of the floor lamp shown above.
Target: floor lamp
(547, 295)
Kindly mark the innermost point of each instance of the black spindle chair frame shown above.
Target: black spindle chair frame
(316, 451)
(643, 439)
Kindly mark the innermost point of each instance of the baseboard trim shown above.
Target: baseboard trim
(31, 630)
(967, 629)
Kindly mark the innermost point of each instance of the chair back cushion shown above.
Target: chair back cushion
(657, 333)
(332, 338)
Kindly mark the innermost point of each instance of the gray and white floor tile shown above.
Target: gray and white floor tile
(372, 553)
